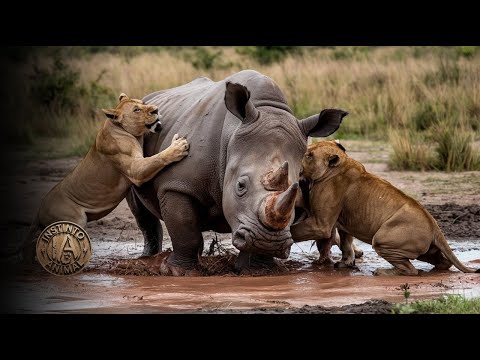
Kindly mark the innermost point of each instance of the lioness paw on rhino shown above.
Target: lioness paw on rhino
(178, 148)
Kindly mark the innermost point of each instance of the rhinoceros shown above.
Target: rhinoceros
(241, 174)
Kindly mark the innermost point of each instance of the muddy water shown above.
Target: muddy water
(94, 291)
(113, 238)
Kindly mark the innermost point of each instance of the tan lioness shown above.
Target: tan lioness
(364, 206)
(114, 162)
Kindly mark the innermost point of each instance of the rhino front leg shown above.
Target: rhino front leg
(181, 215)
(148, 223)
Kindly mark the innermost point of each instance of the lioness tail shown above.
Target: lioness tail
(442, 244)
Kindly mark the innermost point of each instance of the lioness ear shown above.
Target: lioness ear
(111, 113)
(340, 145)
(123, 96)
(333, 161)
(323, 124)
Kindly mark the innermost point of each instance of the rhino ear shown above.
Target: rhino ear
(237, 101)
(323, 124)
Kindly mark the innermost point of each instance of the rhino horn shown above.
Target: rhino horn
(279, 208)
(278, 179)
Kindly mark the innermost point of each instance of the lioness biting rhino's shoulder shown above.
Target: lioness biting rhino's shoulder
(115, 161)
(362, 205)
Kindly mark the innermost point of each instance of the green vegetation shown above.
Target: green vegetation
(424, 100)
(409, 151)
(450, 304)
(455, 149)
(269, 54)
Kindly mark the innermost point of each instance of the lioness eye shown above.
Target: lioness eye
(136, 110)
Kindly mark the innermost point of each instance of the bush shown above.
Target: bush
(205, 59)
(467, 51)
(53, 102)
(56, 87)
(473, 114)
(269, 54)
(96, 96)
(448, 73)
(454, 149)
(424, 117)
(409, 151)
(350, 52)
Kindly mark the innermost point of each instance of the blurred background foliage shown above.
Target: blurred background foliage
(425, 101)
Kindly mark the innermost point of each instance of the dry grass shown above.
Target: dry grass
(383, 88)
(410, 152)
(376, 91)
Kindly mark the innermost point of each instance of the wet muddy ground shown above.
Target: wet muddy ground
(114, 282)
(304, 288)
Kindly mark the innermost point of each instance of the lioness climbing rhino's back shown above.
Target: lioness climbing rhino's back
(364, 206)
(114, 162)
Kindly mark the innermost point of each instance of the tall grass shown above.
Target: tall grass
(385, 89)
(410, 151)
(455, 149)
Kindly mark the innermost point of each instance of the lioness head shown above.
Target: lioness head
(322, 157)
(134, 116)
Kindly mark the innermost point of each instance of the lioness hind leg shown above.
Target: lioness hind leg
(401, 264)
(435, 257)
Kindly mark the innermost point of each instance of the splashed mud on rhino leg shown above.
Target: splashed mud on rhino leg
(168, 269)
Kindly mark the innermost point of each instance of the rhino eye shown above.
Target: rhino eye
(241, 186)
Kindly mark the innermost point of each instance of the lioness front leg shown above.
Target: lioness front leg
(311, 229)
(346, 246)
(324, 246)
(140, 170)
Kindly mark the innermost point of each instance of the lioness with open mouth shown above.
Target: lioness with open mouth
(114, 162)
(362, 205)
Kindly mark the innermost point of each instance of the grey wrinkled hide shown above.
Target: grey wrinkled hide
(218, 186)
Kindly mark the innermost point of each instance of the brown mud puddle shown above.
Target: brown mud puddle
(115, 283)
(100, 293)
(103, 289)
